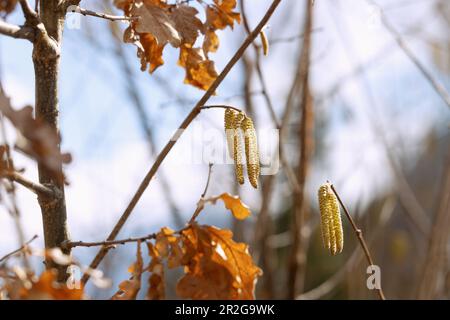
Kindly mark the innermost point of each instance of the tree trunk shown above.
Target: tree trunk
(46, 57)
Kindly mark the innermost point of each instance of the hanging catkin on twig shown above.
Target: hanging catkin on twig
(230, 114)
(330, 216)
(251, 151)
(237, 147)
(236, 123)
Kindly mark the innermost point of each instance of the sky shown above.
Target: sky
(100, 128)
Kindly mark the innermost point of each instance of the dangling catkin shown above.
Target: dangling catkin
(230, 114)
(264, 42)
(330, 216)
(251, 151)
(237, 148)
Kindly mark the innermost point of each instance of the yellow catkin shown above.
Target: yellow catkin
(237, 148)
(330, 216)
(251, 151)
(265, 43)
(325, 223)
(230, 114)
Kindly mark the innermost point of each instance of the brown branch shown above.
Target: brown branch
(18, 32)
(438, 87)
(28, 12)
(359, 235)
(73, 244)
(220, 107)
(86, 12)
(24, 246)
(186, 122)
(33, 186)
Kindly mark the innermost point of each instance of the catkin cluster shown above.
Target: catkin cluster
(330, 217)
(236, 124)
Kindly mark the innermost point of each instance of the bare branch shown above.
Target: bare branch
(33, 186)
(187, 121)
(72, 244)
(86, 12)
(28, 12)
(24, 246)
(18, 32)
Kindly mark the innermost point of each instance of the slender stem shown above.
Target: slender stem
(207, 180)
(5, 257)
(360, 237)
(33, 186)
(86, 12)
(220, 107)
(72, 244)
(187, 121)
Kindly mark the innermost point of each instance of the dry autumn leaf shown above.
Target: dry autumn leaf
(233, 203)
(216, 267)
(35, 138)
(160, 23)
(46, 288)
(156, 286)
(129, 289)
(156, 20)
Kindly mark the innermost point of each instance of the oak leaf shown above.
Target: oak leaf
(156, 286)
(129, 289)
(216, 267)
(36, 139)
(233, 203)
(187, 24)
(157, 21)
(200, 71)
(47, 288)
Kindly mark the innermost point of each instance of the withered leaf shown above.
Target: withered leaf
(36, 139)
(233, 203)
(156, 21)
(47, 288)
(129, 289)
(221, 14)
(200, 71)
(216, 267)
(187, 24)
(156, 286)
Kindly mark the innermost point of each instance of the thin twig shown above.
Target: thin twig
(207, 180)
(190, 117)
(73, 244)
(438, 87)
(5, 257)
(221, 107)
(360, 237)
(86, 12)
(33, 186)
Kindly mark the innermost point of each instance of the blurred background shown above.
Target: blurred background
(375, 126)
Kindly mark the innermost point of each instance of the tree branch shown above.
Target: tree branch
(5, 257)
(18, 32)
(28, 12)
(86, 12)
(190, 117)
(33, 186)
(360, 237)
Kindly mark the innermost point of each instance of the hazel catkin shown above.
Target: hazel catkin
(251, 151)
(330, 216)
(237, 147)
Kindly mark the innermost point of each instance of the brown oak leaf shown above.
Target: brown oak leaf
(129, 289)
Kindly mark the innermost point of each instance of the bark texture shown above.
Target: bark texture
(46, 58)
